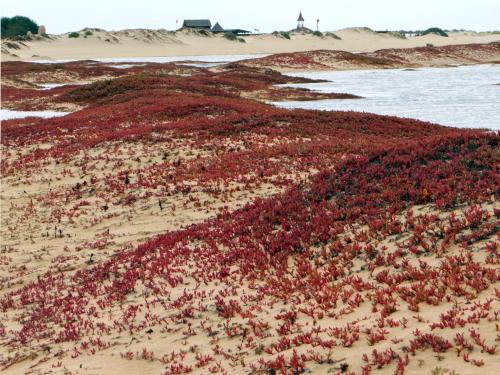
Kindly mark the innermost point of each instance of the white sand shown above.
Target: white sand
(147, 43)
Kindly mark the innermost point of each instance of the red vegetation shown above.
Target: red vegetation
(256, 241)
(151, 80)
(385, 58)
(371, 212)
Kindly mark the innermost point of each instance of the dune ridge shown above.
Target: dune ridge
(98, 43)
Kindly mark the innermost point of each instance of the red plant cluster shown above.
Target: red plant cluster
(372, 217)
(230, 139)
(320, 59)
(150, 80)
(253, 245)
(23, 71)
(385, 58)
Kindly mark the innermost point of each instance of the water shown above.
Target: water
(465, 97)
(210, 60)
(125, 66)
(48, 86)
(188, 58)
(7, 114)
(201, 64)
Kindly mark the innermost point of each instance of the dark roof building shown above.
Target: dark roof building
(197, 24)
(217, 28)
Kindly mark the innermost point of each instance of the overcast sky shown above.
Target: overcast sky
(266, 15)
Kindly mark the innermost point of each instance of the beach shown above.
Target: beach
(147, 43)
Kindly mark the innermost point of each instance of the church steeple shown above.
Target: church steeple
(300, 21)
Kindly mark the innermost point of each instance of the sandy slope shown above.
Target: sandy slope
(142, 43)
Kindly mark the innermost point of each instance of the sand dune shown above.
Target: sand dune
(390, 58)
(145, 43)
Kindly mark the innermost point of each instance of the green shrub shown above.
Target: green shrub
(435, 30)
(18, 26)
(318, 33)
(203, 32)
(73, 35)
(285, 34)
(88, 33)
(332, 35)
(12, 45)
(233, 37)
(230, 36)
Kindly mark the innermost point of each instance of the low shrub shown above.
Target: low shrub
(89, 33)
(203, 32)
(332, 35)
(233, 37)
(435, 30)
(12, 45)
(285, 34)
(318, 33)
(230, 36)
(73, 35)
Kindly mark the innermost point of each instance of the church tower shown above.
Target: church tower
(300, 21)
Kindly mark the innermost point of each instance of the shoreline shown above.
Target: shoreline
(194, 63)
(288, 92)
(448, 56)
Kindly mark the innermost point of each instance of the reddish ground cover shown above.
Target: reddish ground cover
(174, 226)
(381, 59)
(20, 88)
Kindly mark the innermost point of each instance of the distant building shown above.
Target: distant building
(197, 24)
(207, 25)
(219, 29)
(300, 21)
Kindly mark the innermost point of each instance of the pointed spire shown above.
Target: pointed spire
(300, 19)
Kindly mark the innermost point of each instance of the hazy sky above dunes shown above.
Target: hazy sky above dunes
(265, 15)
